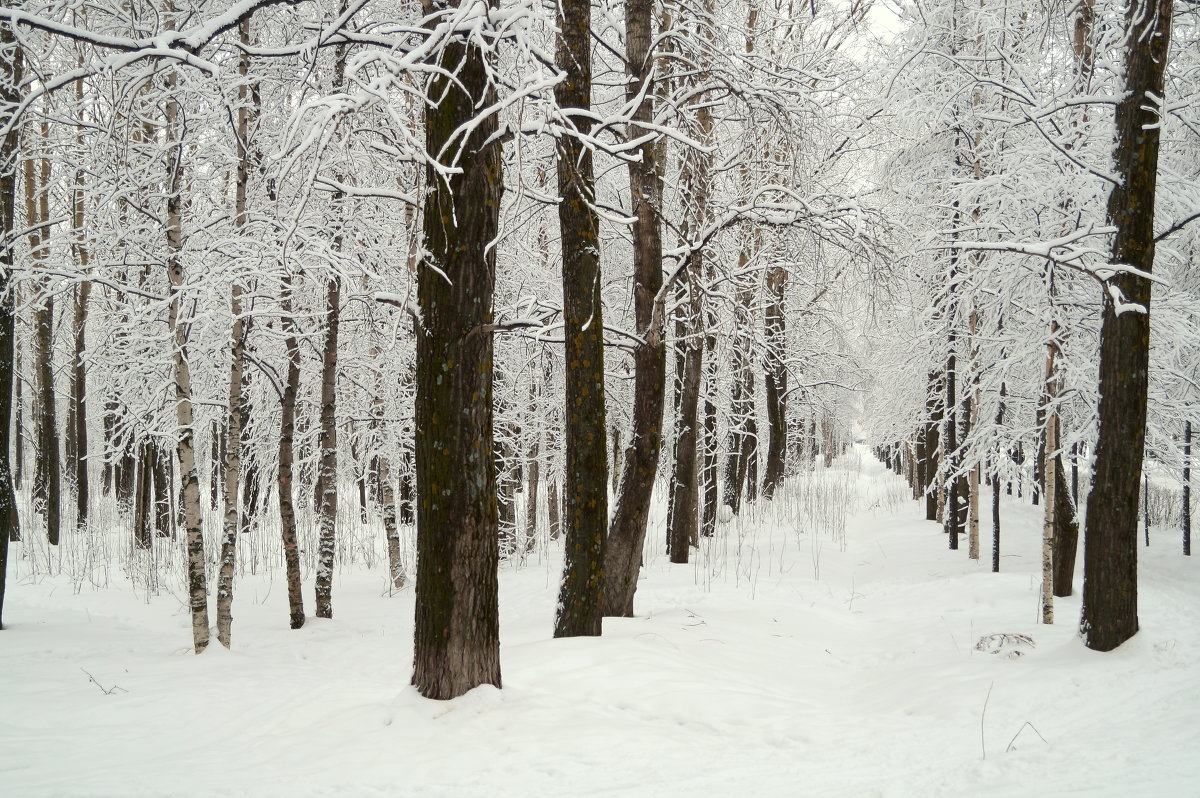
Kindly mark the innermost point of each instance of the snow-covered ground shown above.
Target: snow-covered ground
(806, 651)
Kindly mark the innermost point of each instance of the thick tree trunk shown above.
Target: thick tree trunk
(628, 529)
(456, 641)
(585, 494)
(1109, 615)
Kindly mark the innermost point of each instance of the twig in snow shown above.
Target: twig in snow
(982, 716)
(1018, 734)
(103, 689)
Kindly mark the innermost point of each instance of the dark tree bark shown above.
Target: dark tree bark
(406, 511)
(78, 419)
(143, 524)
(1066, 533)
(287, 432)
(46, 478)
(552, 511)
(628, 529)
(685, 483)
(776, 381)
(159, 464)
(1187, 488)
(456, 641)
(585, 483)
(933, 410)
(1109, 615)
(10, 80)
(708, 468)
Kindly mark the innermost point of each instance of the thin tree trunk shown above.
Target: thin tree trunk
(776, 381)
(456, 640)
(287, 433)
(391, 530)
(1187, 488)
(327, 478)
(161, 482)
(77, 410)
(235, 423)
(46, 484)
(1050, 478)
(628, 529)
(1109, 615)
(708, 469)
(552, 510)
(10, 81)
(1066, 532)
(185, 447)
(685, 483)
(533, 472)
(933, 411)
(143, 534)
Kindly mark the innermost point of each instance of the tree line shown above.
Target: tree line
(320, 263)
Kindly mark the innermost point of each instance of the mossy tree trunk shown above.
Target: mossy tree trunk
(457, 633)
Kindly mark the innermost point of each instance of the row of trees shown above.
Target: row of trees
(312, 261)
(1036, 159)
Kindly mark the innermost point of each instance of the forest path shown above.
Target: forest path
(804, 652)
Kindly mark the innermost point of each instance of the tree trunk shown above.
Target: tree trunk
(685, 483)
(1066, 532)
(933, 411)
(776, 381)
(456, 641)
(1109, 615)
(185, 446)
(235, 423)
(327, 479)
(1187, 488)
(287, 433)
(533, 473)
(391, 530)
(585, 494)
(46, 485)
(552, 510)
(143, 525)
(708, 469)
(628, 529)
(1050, 478)
(10, 80)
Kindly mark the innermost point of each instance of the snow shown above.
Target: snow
(803, 652)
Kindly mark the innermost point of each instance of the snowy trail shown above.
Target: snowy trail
(785, 661)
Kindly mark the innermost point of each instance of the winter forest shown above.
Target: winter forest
(760, 397)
